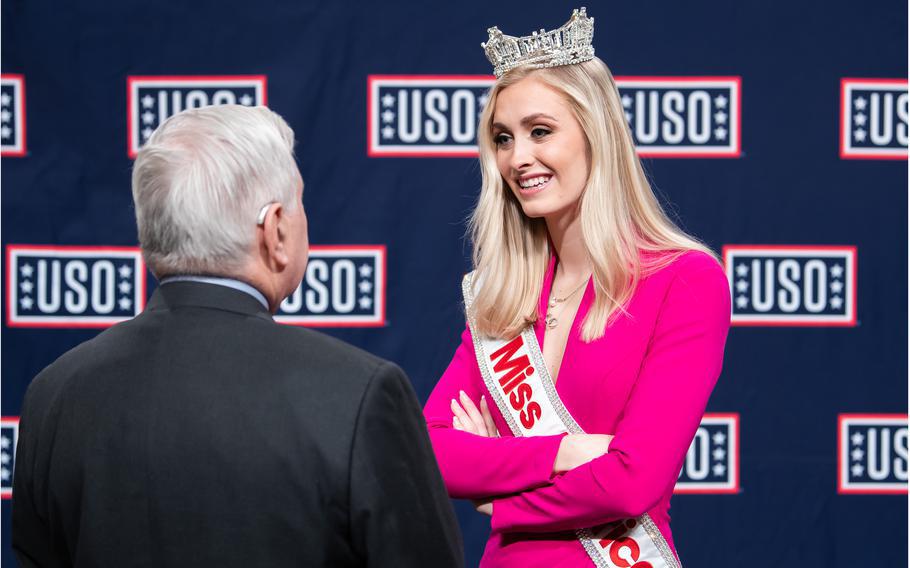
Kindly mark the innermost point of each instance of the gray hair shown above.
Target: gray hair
(200, 181)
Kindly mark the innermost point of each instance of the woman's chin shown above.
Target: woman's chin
(534, 212)
(541, 210)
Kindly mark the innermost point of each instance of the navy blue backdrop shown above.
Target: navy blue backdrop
(775, 131)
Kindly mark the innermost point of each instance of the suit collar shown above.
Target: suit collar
(204, 295)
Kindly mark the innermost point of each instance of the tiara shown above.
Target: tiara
(564, 46)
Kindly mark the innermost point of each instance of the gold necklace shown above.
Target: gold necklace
(551, 319)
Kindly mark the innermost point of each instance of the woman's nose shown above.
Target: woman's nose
(522, 155)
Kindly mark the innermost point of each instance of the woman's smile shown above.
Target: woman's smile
(533, 183)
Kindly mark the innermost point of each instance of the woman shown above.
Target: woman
(589, 312)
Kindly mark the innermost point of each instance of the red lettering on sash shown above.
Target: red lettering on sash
(620, 528)
(514, 369)
(520, 396)
(615, 542)
(530, 414)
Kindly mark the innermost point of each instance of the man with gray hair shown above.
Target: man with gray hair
(202, 433)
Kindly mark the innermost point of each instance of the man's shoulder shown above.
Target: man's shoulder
(315, 347)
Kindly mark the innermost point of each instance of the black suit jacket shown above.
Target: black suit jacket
(202, 433)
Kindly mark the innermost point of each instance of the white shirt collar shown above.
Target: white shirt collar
(221, 281)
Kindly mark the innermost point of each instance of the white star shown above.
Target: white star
(147, 133)
(125, 271)
(365, 287)
(388, 100)
(388, 116)
(147, 101)
(742, 285)
(365, 303)
(26, 286)
(719, 469)
(742, 269)
(388, 132)
(5, 132)
(836, 302)
(742, 302)
(26, 270)
(246, 100)
(5, 99)
(857, 439)
(148, 118)
(719, 454)
(859, 103)
(856, 470)
(482, 100)
(4, 443)
(837, 271)
(720, 101)
(719, 438)
(5, 474)
(626, 101)
(860, 135)
(860, 119)
(720, 117)
(5, 115)
(857, 454)
(720, 133)
(125, 303)
(4, 458)
(124, 287)
(365, 270)
(837, 286)
(629, 117)
(26, 303)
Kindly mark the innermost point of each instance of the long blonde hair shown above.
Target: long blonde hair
(621, 219)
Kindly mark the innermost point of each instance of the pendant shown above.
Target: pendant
(553, 303)
(552, 322)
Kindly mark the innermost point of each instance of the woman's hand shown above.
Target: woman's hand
(579, 449)
(484, 506)
(467, 418)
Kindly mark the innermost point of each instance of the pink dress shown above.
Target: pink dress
(646, 381)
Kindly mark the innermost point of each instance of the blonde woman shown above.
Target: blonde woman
(596, 327)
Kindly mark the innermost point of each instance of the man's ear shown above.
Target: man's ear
(274, 238)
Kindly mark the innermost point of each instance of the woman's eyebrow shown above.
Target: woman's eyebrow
(536, 116)
(526, 121)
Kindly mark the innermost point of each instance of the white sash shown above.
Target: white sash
(519, 383)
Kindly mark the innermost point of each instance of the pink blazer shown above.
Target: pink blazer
(646, 381)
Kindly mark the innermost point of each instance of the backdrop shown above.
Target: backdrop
(775, 131)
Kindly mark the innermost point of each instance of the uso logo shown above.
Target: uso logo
(792, 285)
(150, 100)
(9, 436)
(873, 119)
(712, 462)
(73, 286)
(683, 117)
(424, 115)
(344, 286)
(12, 115)
(872, 453)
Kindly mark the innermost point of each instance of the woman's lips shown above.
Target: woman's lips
(535, 188)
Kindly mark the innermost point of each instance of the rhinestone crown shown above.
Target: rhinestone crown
(563, 46)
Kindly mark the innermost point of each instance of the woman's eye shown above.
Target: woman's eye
(539, 132)
(501, 139)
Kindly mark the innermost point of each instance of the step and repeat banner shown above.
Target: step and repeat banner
(776, 132)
